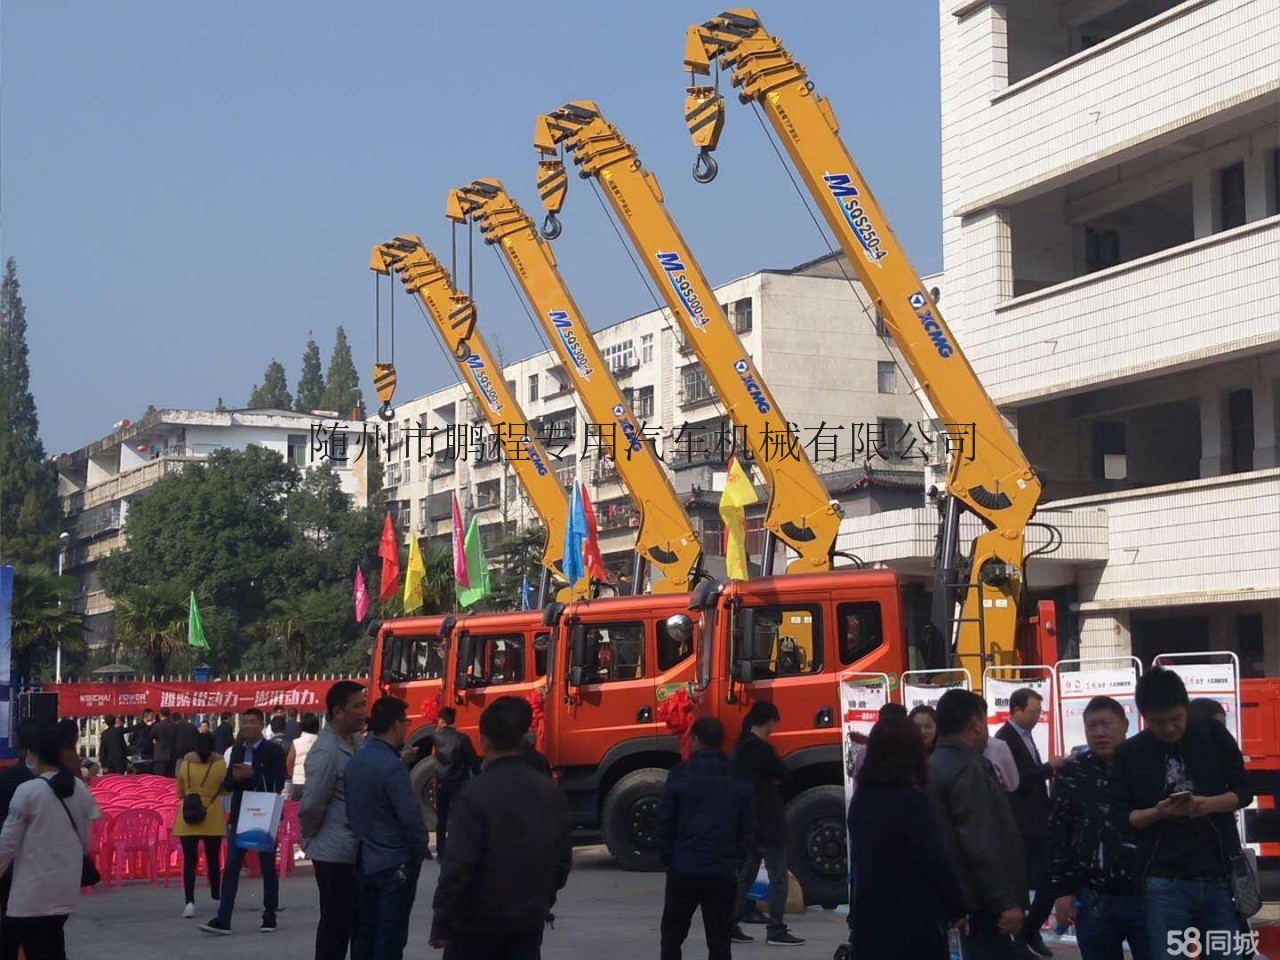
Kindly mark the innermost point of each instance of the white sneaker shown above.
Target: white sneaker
(189, 912)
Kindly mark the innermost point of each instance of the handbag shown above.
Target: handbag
(194, 809)
(89, 875)
(1244, 886)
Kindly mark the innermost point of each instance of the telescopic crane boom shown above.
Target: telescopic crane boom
(454, 314)
(665, 537)
(800, 512)
(992, 479)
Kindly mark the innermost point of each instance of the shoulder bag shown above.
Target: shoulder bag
(194, 809)
(89, 875)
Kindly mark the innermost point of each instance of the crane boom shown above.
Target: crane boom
(454, 314)
(800, 512)
(992, 478)
(665, 538)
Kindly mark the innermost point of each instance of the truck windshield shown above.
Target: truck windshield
(411, 658)
(706, 632)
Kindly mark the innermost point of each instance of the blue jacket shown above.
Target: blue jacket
(706, 817)
(382, 811)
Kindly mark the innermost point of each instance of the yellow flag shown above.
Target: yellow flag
(738, 492)
(413, 577)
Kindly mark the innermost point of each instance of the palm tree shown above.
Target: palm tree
(38, 617)
(437, 582)
(295, 617)
(153, 621)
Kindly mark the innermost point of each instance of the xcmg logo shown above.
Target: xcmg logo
(743, 369)
(628, 428)
(931, 326)
(845, 193)
(531, 449)
(564, 329)
(480, 375)
(678, 276)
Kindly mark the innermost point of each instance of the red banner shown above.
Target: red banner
(95, 699)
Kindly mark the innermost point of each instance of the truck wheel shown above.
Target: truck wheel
(630, 817)
(818, 853)
(423, 778)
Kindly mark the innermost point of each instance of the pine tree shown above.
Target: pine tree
(29, 509)
(273, 393)
(310, 392)
(341, 382)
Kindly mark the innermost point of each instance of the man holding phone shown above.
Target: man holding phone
(1179, 784)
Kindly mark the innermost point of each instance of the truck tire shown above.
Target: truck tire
(629, 817)
(423, 778)
(817, 848)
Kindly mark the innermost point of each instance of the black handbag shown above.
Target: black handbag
(194, 809)
(1244, 886)
(89, 875)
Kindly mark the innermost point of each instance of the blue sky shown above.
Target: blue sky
(189, 188)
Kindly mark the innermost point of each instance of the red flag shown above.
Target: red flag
(389, 551)
(592, 559)
(459, 548)
(361, 595)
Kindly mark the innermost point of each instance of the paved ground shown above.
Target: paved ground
(603, 912)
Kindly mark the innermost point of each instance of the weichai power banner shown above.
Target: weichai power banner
(95, 699)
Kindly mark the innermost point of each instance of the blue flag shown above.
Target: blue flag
(526, 600)
(574, 535)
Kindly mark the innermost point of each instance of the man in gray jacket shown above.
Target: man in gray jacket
(977, 827)
(322, 814)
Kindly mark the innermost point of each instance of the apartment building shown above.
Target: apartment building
(1112, 254)
(824, 361)
(99, 482)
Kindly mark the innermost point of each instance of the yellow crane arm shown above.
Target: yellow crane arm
(454, 315)
(666, 537)
(991, 476)
(800, 512)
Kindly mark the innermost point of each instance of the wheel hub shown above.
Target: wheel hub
(642, 821)
(826, 845)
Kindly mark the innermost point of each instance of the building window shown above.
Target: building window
(424, 513)
(1240, 425)
(646, 348)
(754, 539)
(886, 376)
(779, 641)
(488, 494)
(392, 477)
(533, 386)
(1101, 249)
(887, 445)
(1273, 182)
(404, 514)
(1109, 451)
(620, 356)
(567, 472)
(299, 445)
(740, 314)
(1231, 196)
(644, 403)
(882, 329)
(694, 385)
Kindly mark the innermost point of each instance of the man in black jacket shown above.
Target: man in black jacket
(456, 761)
(162, 735)
(756, 760)
(113, 753)
(224, 734)
(184, 737)
(705, 831)
(510, 851)
(977, 827)
(1030, 803)
(257, 765)
(1179, 784)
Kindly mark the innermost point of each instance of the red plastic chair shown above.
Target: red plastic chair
(135, 843)
(100, 845)
(290, 835)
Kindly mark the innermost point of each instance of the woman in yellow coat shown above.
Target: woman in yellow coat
(200, 775)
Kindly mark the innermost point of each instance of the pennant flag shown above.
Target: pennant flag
(574, 534)
(738, 493)
(592, 558)
(361, 595)
(389, 551)
(459, 548)
(477, 569)
(526, 594)
(413, 577)
(195, 626)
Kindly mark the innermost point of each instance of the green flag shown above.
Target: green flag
(195, 627)
(477, 568)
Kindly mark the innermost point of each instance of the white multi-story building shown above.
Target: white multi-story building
(99, 482)
(804, 330)
(1112, 254)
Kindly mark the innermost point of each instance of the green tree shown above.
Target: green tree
(341, 382)
(152, 622)
(511, 561)
(273, 392)
(29, 509)
(310, 392)
(41, 617)
(297, 618)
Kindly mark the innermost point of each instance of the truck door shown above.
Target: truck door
(410, 668)
(490, 665)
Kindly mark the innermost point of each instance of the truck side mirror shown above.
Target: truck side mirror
(579, 646)
(466, 655)
(578, 676)
(742, 671)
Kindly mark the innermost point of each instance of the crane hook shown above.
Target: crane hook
(387, 412)
(705, 167)
(551, 227)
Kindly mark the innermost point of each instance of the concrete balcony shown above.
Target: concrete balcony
(124, 484)
(1162, 78)
(1208, 298)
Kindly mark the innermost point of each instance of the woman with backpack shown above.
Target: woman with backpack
(199, 784)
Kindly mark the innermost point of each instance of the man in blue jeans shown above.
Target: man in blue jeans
(1179, 784)
(256, 765)
(391, 837)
